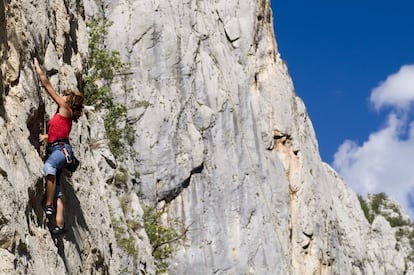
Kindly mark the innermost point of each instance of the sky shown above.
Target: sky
(352, 63)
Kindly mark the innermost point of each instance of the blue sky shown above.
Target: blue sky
(350, 63)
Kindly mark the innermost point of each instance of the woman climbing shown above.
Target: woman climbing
(59, 151)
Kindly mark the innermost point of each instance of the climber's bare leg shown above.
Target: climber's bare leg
(50, 189)
(60, 221)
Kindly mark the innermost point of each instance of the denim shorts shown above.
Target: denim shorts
(55, 163)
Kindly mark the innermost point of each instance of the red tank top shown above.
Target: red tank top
(59, 128)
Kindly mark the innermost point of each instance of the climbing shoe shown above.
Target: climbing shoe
(58, 230)
(49, 210)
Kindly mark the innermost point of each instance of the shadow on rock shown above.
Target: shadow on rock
(74, 219)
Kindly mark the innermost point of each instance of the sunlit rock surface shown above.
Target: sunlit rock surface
(221, 139)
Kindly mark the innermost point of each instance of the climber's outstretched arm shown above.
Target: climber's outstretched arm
(48, 86)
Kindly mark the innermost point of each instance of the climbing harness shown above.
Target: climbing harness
(68, 158)
(72, 163)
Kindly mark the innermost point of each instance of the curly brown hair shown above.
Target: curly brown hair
(76, 101)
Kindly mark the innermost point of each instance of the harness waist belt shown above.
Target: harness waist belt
(58, 141)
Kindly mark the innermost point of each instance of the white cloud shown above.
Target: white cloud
(384, 162)
(396, 91)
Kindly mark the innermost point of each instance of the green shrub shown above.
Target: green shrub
(397, 221)
(380, 205)
(103, 66)
(125, 243)
(114, 132)
(162, 238)
(365, 209)
(129, 133)
(377, 201)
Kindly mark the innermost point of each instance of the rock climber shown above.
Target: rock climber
(59, 150)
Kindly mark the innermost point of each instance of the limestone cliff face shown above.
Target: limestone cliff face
(224, 143)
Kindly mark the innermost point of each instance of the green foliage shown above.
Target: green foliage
(123, 239)
(377, 201)
(162, 238)
(408, 233)
(121, 177)
(397, 221)
(133, 225)
(122, 229)
(104, 62)
(114, 132)
(379, 204)
(143, 104)
(103, 66)
(129, 133)
(410, 237)
(95, 94)
(124, 204)
(399, 234)
(127, 244)
(137, 174)
(365, 209)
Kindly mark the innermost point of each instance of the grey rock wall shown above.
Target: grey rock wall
(229, 146)
(222, 140)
